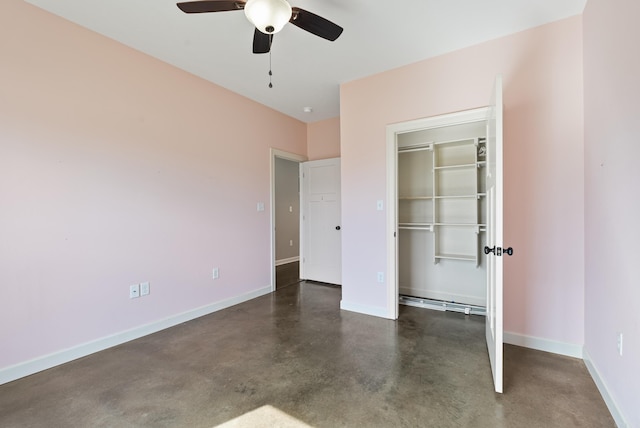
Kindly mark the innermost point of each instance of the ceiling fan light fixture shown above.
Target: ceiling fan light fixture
(268, 16)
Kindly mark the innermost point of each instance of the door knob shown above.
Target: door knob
(337, 227)
(498, 251)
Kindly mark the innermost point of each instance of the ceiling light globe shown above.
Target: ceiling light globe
(268, 16)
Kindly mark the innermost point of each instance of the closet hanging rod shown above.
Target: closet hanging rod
(416, 148)
(462, 140)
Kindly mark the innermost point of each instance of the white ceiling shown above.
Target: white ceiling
(307, 70)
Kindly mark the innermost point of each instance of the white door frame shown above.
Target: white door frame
(458, 118)
(275, 153)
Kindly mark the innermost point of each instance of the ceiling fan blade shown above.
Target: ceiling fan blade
(261, 42)
(315, 24)
(204, 6)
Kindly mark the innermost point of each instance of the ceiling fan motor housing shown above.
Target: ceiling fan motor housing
(268, 16)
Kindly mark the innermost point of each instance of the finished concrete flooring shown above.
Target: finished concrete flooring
(294, 353)
(287, 274)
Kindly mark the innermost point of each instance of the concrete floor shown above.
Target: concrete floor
(296, 353)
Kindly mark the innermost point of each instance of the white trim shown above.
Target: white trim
(45, 362)
(576, 351)
(457, 118)
(540, 344)
(273, 154)
(287, 261)
(363, 309)
(392, 223)
(617, 415)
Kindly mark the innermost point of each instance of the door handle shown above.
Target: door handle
(337, 227)
(498, 251)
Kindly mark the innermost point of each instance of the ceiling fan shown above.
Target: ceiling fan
(268, 16)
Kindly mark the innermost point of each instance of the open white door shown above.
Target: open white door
(493, 250)
(321, 249)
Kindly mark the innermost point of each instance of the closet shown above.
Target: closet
(441, 217)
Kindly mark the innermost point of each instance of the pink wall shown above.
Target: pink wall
(612, 198)
(323, 139)
(116, 169)
(544, 178)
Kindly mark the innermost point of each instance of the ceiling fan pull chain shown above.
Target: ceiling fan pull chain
(270, 73)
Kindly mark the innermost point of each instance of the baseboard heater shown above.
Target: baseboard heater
(441, 305)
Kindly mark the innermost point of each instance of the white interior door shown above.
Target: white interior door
(494, 323)
(321, 255)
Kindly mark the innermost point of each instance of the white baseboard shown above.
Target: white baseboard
(45, 362)
(568, 349)
(576, 351)
(604, 391)
(286, 261)
(363, 309)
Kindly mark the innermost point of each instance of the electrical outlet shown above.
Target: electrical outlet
(145, 288)
(216, 273)
(260, 206)
(134, 291)
(380, 276)
(620, 337)
(379, 205)
(291, 242)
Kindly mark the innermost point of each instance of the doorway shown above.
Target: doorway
(432, 185)
(285, 218)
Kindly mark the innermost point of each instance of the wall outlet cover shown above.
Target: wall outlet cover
(620, 339)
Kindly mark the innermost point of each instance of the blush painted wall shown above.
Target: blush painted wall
(116, 169)
(544, 168)
(323, 139)
(612, 203)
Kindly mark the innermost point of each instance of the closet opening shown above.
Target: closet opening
(441, 212)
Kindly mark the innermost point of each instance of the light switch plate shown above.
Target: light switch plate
(145, 288)
(134, 291)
